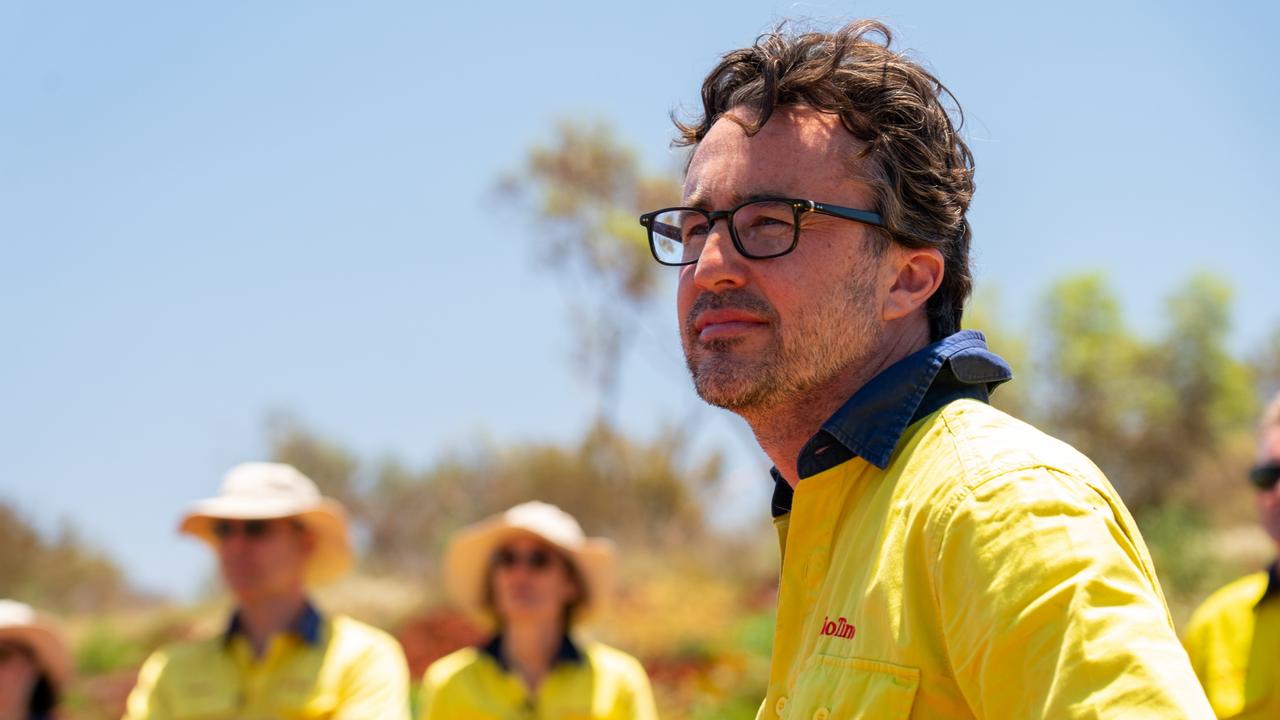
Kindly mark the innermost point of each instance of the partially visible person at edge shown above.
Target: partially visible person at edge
(35, 663)
(1234, 637)
(940, 558)
(280, 657)
(533, 577)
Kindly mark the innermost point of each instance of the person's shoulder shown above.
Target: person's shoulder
(1230, 599)
(351, 630)
(989, 442)
(452, 666)
(609, 657)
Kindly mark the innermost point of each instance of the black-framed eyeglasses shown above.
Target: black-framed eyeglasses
(760, 229)
(1265, 477)
(506, 558)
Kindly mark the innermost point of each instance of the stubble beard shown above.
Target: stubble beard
(832, 335)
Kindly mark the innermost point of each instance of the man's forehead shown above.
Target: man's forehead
(797, 148)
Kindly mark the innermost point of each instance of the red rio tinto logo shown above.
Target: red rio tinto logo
(840, 627)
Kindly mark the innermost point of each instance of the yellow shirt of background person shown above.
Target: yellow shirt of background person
(1234, 637)
(324, 668)
(530, 572)
(595, 682)
(1234, 643)
(280, 659)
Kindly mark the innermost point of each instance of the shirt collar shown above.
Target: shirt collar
(567, 653)
(306, 626)
(872, 421)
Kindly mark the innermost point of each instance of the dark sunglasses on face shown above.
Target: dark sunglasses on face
(10, 651)
(251, 529)
(507, 558)
(1265, 477)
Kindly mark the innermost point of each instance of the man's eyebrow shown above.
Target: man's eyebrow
(698, 200)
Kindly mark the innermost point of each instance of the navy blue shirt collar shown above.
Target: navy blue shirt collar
(872, 421)
(567, 653)
(307, 625)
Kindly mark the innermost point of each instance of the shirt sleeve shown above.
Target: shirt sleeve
(377, 686)
(642, 704)
(1050, 606)
(145, 701)
(431, 705)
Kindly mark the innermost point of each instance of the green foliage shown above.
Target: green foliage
(104, 649)
(62, 573)
(1154, 413)
(646, 494)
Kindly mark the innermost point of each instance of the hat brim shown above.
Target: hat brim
(327, 521)
(53, 656)
(469, 556)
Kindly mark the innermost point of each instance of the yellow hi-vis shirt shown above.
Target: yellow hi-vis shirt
(1234, 643)
(988, 571)
(588, 681)
(340, 669)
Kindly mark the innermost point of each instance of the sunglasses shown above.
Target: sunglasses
(251, 529)
(1265, 477)
(10, 651)
(507, 559)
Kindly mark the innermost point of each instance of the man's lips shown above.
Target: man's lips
(716, 324)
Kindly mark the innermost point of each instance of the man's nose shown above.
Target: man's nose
(720, 266)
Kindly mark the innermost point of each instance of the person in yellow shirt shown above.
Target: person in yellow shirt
(940, 559)
(532, 575)
(35, 663)
(1234, 637)
(280, 657)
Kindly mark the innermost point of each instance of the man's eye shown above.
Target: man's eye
(697, 230)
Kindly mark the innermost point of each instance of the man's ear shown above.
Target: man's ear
(918, 274)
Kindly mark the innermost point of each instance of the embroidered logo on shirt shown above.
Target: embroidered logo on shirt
(840, 627)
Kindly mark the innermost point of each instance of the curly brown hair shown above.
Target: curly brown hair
(919, 168)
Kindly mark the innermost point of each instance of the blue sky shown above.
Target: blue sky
(213, 211)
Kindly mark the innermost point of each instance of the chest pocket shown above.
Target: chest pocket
(837, 688)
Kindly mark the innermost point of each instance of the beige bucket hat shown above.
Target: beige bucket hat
(470, 552)
(20, 623)
(266, 491)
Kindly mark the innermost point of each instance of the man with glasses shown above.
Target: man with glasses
(275, 537)
(940, 558)
(1234, 637)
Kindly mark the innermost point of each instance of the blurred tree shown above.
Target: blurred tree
(585, 190)
(1151, 413)
(1203, 395)
(642, 494)
(1091, 377)
(982, 313)
(62, 574)
(1266, 366)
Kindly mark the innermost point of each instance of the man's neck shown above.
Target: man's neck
(264, 618)
(783, 429)
(530, 648)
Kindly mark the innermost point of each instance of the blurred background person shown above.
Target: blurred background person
(35, 663)
(532, 576)
(275, 537)
(1234, 637)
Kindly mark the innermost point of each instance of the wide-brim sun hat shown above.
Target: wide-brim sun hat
(469, 556)
(270, 491)
(20, 623)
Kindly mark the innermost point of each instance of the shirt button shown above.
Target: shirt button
(821, 714)
(780, 705)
